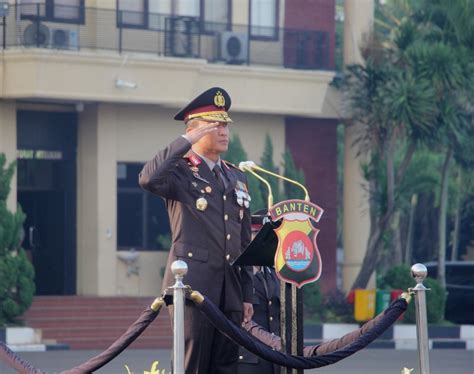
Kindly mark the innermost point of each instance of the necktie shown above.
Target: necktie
(218, 174)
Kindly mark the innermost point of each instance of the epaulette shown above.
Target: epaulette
(230, 165)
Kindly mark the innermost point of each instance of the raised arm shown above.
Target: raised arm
(158, 174)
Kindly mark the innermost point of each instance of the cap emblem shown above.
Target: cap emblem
(219, 100)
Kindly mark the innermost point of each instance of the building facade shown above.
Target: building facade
(88, 92)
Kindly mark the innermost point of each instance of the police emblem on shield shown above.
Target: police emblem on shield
(297, 258)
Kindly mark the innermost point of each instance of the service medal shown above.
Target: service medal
(241, 214)
(201, 204)
(240, 201)
(208, 189)
(246, 203)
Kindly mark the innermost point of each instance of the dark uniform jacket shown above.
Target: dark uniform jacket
(207, 240)
(266, 306)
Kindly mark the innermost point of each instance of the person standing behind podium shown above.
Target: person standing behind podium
(266, 306)
(207, 201)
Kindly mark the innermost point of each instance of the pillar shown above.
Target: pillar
(97, 201)
(358, 20)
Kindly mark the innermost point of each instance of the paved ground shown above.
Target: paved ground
(372, 361)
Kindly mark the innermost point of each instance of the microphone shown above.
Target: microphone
(251, 167)
(248, 166)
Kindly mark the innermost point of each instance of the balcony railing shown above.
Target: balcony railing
(79, 28)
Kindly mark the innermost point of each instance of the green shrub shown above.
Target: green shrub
(16, 271)
(337, 309)
(332, 307)
(400, 277)
(312, 301)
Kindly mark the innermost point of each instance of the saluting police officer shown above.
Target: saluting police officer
(208, 205)
(266, 305)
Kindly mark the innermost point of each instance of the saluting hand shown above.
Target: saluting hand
(196, 133)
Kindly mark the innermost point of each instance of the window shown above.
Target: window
(142, 219)
(215, 15)
(189, 8)
(132, 13)
(264, 19)
(65, 11)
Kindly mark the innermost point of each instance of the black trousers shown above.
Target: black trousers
(207, 351)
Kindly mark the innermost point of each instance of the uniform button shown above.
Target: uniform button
(226, 217)
(270, 302)
(227, 257)
(241, 357)
(224, 197)
(190, 254)
(228, 236)
(271, 318)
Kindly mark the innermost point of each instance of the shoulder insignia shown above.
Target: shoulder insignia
(229, 165)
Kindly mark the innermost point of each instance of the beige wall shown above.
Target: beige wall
(144, 129)
(171, 82)
(252, 130)
(240, 12)
(97, 201)
(149, 279)
(132, 124)
(105, 4)
(356, 220)
(8, 142)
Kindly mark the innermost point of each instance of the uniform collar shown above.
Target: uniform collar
(209, 162)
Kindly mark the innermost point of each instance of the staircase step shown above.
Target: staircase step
(87, 322)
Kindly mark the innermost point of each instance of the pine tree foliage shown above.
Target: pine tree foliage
(236, 154)
(16, 271)
(292, 172)
(267, 163)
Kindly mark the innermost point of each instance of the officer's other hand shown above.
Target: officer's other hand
(194, 134)
(248, 312)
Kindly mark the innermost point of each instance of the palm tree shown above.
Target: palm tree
(451, 66)
(407, 94)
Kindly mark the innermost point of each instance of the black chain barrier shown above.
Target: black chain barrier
(249, 342)
(361, 338)
(95, 363)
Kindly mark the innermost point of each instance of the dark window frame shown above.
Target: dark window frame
(202, 10)
(144, 233)
(275, 37)
(146, 201)
(143, 26)
(202, 23)
(49, 13)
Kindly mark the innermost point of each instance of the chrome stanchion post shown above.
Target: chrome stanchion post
(419, 272)
(179, 270)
